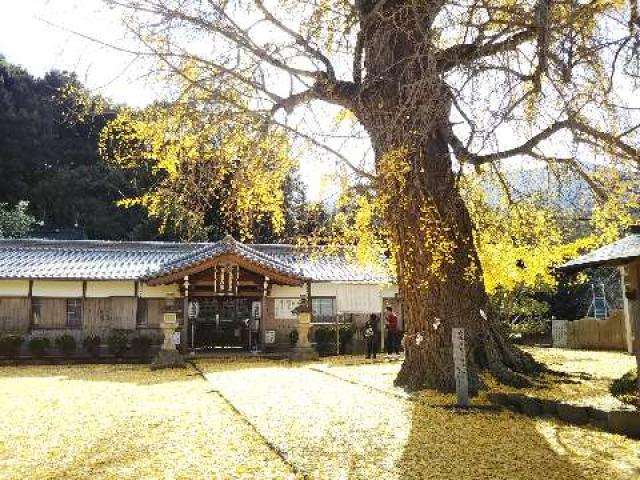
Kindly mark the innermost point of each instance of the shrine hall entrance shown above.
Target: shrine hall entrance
(224, 285)
(224, 322)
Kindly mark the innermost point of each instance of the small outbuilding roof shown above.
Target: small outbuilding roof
(617, 253)
(105, 260)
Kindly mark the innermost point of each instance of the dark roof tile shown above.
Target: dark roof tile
(616, 253)
(103, 260)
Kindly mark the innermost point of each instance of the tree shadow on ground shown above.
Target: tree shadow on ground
(444, 444)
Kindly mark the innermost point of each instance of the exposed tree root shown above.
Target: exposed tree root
(504, 361)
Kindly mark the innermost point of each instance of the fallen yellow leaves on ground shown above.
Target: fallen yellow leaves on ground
(123, 421)
(599, 364)
(349, 422)
(326, 427)
(588, 377)
(274, 420)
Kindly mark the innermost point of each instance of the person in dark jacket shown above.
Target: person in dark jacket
(392, 334)
(371, 335)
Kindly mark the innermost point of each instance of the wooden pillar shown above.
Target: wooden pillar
(631, 291)
(184, 335)
(30, 306)
(625, 285)
(309, 298)
(634, 312)
(136, 293)
(381, 326)
(263, 314)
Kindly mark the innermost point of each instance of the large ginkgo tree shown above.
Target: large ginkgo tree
(440, 89)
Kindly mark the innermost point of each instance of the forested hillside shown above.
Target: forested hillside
(49, 133)
(52, 162)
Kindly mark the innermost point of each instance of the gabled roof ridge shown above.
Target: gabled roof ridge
(227, 245)
(617, 252)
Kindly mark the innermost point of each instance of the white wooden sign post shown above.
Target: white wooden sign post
(460, 367)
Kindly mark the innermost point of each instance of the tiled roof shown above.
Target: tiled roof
(325, 266)
(616, 253)
(227, 246)
(102, 260)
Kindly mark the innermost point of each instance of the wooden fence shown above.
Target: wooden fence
(589, 333)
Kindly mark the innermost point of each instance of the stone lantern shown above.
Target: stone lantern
(168, 356)
(303, 349)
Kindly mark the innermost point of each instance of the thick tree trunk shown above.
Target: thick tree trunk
(406, 111)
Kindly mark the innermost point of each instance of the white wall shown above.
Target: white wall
(279, 291)
(350, 297)
(159, 291)
(284, 306)
(14, 288)
(57, 288)
(105, 289)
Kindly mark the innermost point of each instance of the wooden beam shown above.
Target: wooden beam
(635, 314)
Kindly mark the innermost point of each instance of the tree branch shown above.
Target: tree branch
(608, 138)
(526, 148)
(465, 53)
(337, 92)
(300, 40)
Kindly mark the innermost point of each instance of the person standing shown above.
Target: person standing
(392, 332)
(371, 335)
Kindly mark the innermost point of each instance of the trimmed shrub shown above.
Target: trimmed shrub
(91, 344)
(66, 344)
(141, 345)
(530, 327)
(325, 339)
(293, 337)
(38, 346)
(346, 339)
(117, 343)
(626, 388)
(10, 345)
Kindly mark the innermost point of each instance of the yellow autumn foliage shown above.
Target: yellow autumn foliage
(203, 159)
(520, 243)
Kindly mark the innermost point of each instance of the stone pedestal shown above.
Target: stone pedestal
(303, 349)
(168, 356)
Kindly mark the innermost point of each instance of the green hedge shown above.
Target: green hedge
(66, 344)
(38, 346)
(118, 343)
(91, 344)
(141, 345)
(325, 340)
(10, 345)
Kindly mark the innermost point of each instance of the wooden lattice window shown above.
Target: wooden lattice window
(324, 309)
(74, 313)
(142, 313)
(36, 312)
